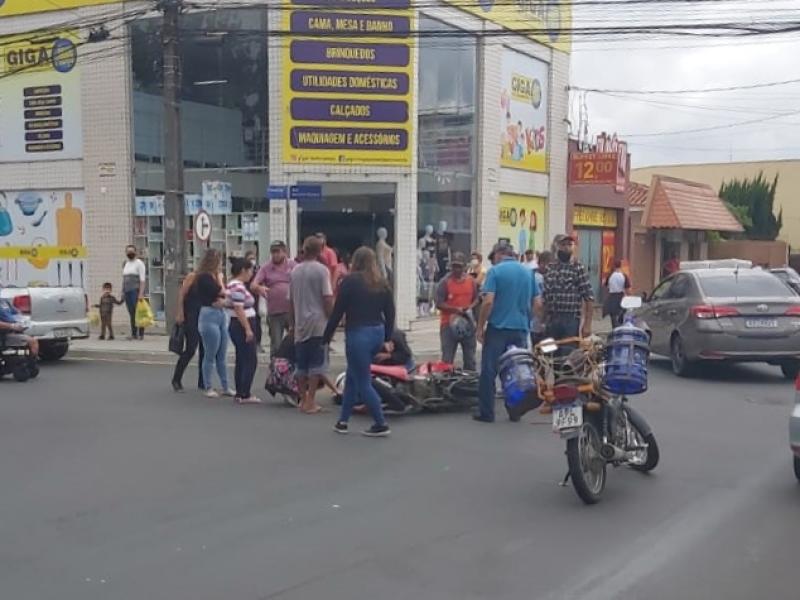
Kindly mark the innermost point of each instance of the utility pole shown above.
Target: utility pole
(174, 205)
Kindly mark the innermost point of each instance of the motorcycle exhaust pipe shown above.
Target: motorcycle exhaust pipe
(611, 453)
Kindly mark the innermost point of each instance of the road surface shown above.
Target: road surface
(116, 488)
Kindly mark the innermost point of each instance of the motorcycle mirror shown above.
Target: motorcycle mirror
(631, 302)
(548, 346)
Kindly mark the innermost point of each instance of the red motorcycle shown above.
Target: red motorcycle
(429, 387)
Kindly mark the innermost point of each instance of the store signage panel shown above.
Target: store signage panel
(592, 216)
(522, 221)
(592, 168)
(524, 111)
(10, 8)
(546, 21)
(43, 234)
(348, 74)
(40, 96)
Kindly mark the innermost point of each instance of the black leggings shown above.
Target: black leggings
(193, 342)
(131, 300)
(246, 357)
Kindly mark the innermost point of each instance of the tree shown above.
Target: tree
(752, 202)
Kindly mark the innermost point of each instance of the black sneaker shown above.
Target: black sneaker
(377, 431)
(176, 385)
(341, 427)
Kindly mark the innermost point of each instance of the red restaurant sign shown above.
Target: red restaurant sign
(592, 167)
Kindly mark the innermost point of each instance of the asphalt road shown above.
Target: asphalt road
(115, 488)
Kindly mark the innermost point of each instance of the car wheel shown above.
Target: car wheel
(681, 366)
(790, 369)
(53, 351)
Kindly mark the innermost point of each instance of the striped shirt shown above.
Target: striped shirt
(238, 295)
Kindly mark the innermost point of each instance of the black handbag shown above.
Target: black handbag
(177, 340)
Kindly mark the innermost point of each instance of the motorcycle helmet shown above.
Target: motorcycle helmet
(462, 326)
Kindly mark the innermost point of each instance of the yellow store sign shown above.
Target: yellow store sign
(592, 216)
(546, 21)
(9, 8)
(522, 221)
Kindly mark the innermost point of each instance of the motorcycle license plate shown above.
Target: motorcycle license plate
(567, 417)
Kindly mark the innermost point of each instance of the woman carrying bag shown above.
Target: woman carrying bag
(134, 277)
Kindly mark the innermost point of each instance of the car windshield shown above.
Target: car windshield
(741, 286)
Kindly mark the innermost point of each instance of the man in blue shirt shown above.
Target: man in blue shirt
(511, 297)
(11, 328)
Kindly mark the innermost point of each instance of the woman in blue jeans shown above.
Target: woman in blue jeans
(212, 323)
(366, 300)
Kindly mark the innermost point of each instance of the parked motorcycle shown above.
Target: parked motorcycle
(586, 383)
(430, 387)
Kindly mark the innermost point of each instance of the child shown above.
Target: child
(106, 306)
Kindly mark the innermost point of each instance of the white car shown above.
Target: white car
(54, 315)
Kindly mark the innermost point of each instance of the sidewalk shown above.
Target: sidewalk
(423, 339)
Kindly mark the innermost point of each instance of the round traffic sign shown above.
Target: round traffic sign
(202, 226)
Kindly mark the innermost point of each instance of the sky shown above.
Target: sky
(675, 63)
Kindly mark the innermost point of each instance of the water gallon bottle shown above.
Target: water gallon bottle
(627, 353)
(517, 376)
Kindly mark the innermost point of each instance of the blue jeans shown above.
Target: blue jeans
(361, 345)
(213, 327)
(494, 345)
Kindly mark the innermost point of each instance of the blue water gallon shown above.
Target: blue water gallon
(517, 376)
(627, 354)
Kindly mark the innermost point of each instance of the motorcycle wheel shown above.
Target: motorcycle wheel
(587, 469)
(797, 468)
(647, 460)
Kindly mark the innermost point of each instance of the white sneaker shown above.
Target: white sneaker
(229, 393)
(250, 400)
(211, 394)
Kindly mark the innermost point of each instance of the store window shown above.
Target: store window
(224, 102)
(446, 135)
(224, 119)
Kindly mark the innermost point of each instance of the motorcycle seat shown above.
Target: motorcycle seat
(398, 372)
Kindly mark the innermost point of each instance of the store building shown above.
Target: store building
(597, 210)
(283, 136)
(670, 221)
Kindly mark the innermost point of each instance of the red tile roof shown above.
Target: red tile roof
(636, 194)
(680, 204)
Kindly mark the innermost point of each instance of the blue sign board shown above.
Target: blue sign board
(306, 193)
(277, 192)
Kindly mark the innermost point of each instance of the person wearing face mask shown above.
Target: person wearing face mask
(568, 297)
(476, 269)
(134, 276)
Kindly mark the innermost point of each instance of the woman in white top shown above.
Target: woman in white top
(617, 284)
(134, 276)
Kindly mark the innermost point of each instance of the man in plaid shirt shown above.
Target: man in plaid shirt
(568, 297)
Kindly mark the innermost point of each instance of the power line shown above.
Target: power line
(687, 91)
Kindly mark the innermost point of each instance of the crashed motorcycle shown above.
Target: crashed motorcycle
(430, 387)
(586, 384)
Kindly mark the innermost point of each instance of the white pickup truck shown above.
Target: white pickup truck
(56, 314)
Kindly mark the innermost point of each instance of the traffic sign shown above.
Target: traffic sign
(202, 226)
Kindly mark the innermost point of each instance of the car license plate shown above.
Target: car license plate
(567, 417)
(62, 333)
(761, 323)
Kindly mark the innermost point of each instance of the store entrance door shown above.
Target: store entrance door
(590, 242)
(350, 215)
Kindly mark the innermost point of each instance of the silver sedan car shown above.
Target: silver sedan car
(794, 429)
(724, 314)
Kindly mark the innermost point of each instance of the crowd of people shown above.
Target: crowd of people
(517, 300)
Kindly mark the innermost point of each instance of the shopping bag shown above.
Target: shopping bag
(144, 314)
(177, 339)
(94, 317)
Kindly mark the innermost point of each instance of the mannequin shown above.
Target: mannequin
(426, 242)
(385, 254)
(442, 238)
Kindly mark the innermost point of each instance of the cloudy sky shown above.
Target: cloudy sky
(679, 63)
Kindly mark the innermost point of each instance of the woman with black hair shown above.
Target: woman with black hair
(241, 309)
